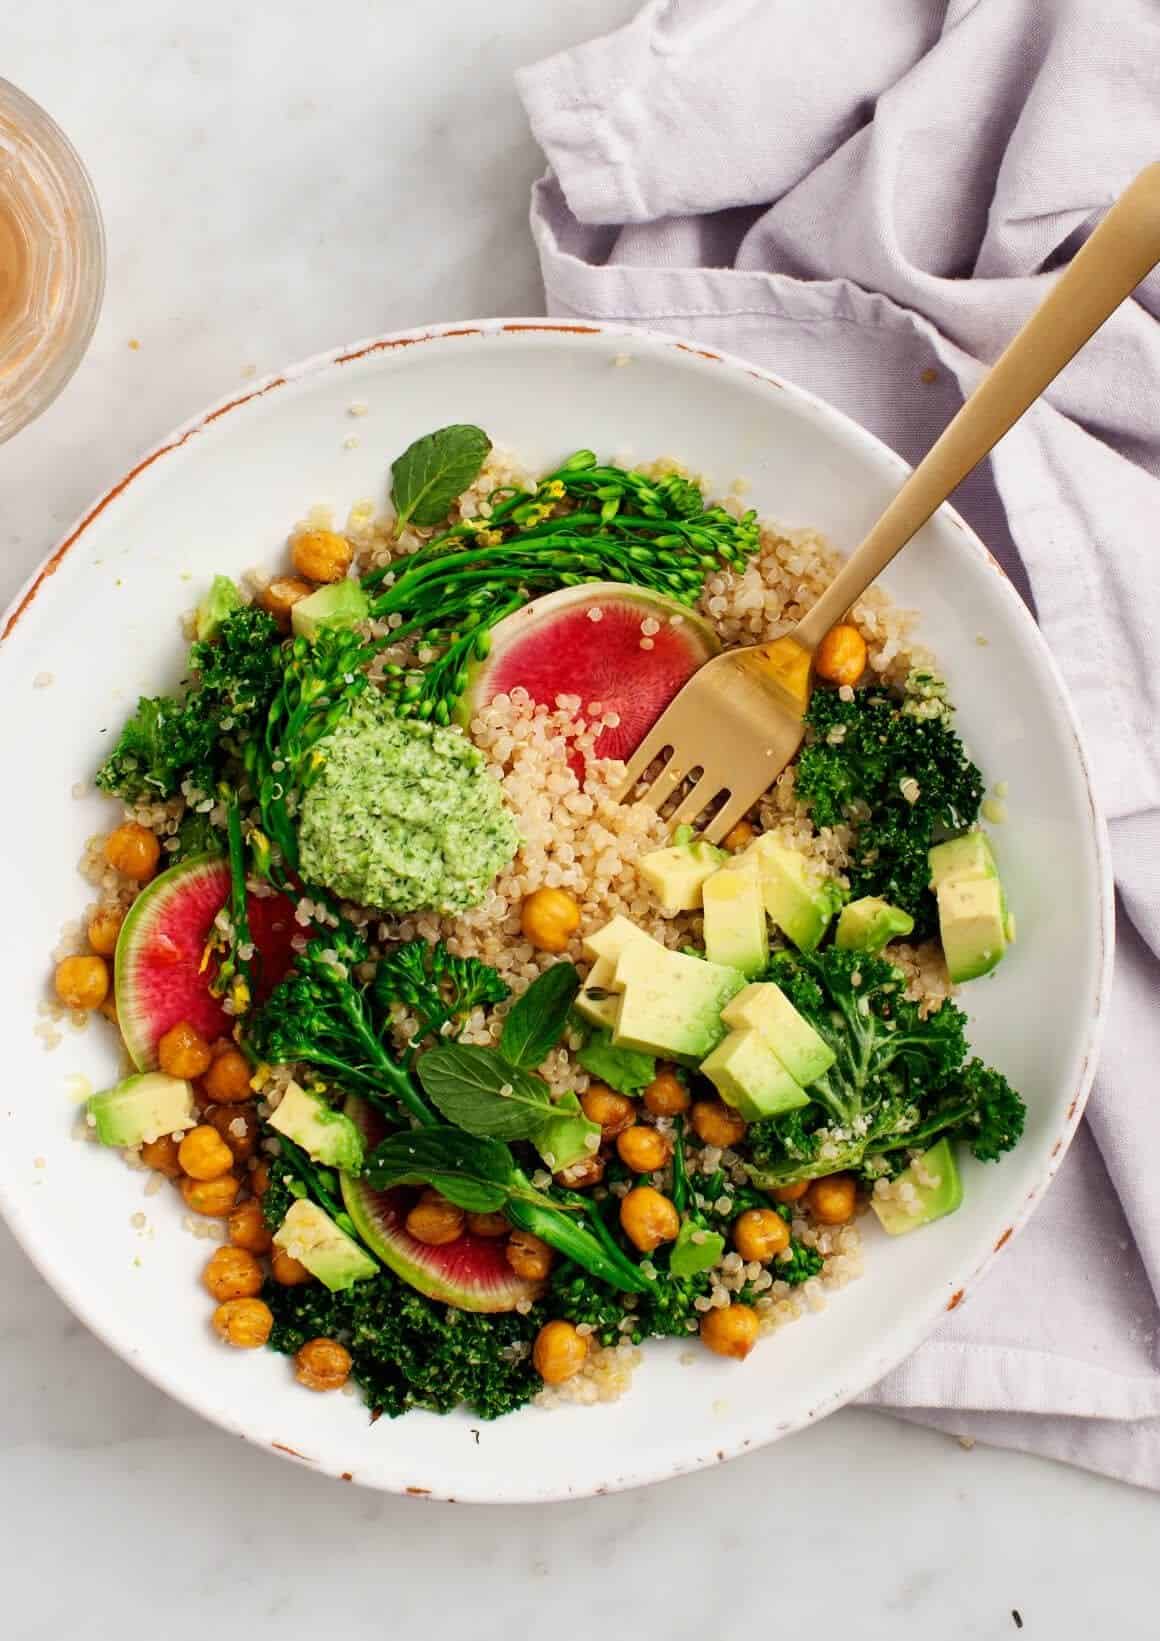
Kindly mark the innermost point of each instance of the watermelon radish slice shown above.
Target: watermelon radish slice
(586, 641)
(160, 978)
(470, 1273)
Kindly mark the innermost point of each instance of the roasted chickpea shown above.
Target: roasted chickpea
(642, 1149)
(244, 1323)
(212, 1197)
(204, 1155)
(183, 1051)
(648, 1218)
(716, 1123)
(730, 1330)
(259, 1178)
(161, 1156)
(435, 1221)
(227, 1082)
(666, 1095)
(831, 1200)
(287, 1271)
(322, 1364)
(248, 1229)
(491, 1225)
(528, 1256)
(841, 655)
(108, 1011)
(559, 1352)
(278, 598)
(760, 1234)
(549, 918)
(738, 837)
(104, 927)
(321, 555)
(82, 982)
(133, 850)
(580, 1176)
(614, 1112)
(232, 1273)
(238, 1126)
(791, 1192)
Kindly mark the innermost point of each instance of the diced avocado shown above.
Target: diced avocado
(221, 601)
(341, 604)
(677, 874)
(620, 1068)
(688, 1256)
(766, 1009)
(326, 1135)
(799, 897)
(868, 924)
(929, 1189)
(314, 1240)
(972, 923)
(568, 1136)
(596, 1000)
(143, 1108)
(749, 1076)
(969, 856)
(611, 940)
(735, 929)
(671, 1004)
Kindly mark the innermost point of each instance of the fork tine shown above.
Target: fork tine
(649, 749)
(730, 812)
(666, 783)
(698, 799)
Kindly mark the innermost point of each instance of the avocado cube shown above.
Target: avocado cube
(340, 604)
(314, 1240)
(671, 1004)
(868, 924)
(677, 874)
(597, 1000)
(141, 1109)
(735, 930)
(799, 897)
(929, 1189)
(766, 1009)
(612, 939)
(968, 856)
(220, 602)
(326, 1135)
(749, 1076)
(972, 921)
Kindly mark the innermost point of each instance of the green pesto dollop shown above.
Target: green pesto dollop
(403, 815)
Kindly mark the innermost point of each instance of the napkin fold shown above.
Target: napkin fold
(859, 197)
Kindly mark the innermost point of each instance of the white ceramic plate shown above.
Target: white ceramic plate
(100, 623)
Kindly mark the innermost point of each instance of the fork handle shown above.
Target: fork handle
(1122, 250)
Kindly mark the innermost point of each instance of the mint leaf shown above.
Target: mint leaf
(436, 469)
(477, 1175)
(478, 1090)
(536, 1021)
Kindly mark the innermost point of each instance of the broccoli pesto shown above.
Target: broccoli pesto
(402, 814)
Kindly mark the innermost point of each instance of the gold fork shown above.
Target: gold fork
(739, 720)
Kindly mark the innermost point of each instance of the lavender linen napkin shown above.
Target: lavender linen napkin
(870, 199)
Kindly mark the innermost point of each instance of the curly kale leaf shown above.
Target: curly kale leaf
(898, 778)
(897, 1081)
(407, 1351)
(435, 985)
(171, 740)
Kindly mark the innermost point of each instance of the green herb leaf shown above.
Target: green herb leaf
(689, 1258)
(624, 1069)
(478, 1090)
(477, 1175)
(433, 471)
(536, 1021)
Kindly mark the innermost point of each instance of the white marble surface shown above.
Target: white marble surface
(275, 180)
